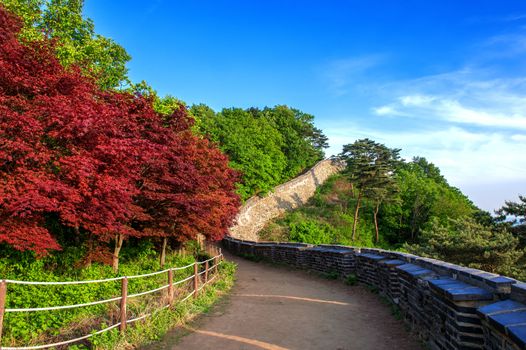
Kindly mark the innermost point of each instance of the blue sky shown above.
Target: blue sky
(441, 79)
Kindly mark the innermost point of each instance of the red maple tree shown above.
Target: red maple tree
(104, 162)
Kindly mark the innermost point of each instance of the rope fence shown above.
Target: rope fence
(198, 285)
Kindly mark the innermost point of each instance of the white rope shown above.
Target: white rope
(61, 343)
(205, 261)
(104, 301)
(163, 271)
(97, 281)
(64, 282)
(94, 302)
(204, 284)
(147, 274)
(63, 307)
(138, 318)
(182, 281)
(183, 267)
(148, 291)
(188, 296)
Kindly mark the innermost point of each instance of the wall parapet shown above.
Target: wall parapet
(258, 211)
(446, 305)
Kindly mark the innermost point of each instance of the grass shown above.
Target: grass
(43, 327)
(395, 310)
(331, 275)
(351, 280)
(155, 327)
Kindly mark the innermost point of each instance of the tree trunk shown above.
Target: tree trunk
(77, 238)
(356, 215)
(376, 220)
(163, 252)
(91, 247)
(352, 190)
(119, 238)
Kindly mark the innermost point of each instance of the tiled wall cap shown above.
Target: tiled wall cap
(371, 256)
(392, 262)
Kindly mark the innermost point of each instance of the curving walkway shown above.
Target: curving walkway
(277, 308)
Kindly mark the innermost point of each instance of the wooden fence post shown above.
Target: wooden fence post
(206, 272)
(3, 293)
(216, 261)
(196, 280)
(170, 287)
(122, 326)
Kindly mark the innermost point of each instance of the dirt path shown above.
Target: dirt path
(277, 308)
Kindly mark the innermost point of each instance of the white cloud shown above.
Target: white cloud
(385, 110)
(454, 111)
(519, 137)
(416, 100)
(462, 98)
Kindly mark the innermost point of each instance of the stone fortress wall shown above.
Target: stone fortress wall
(447, 306)
(257, 211)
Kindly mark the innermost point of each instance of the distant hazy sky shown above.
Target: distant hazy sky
(443, 79)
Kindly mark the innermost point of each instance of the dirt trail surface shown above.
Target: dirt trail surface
(277, 308)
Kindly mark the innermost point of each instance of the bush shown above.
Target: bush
(39, 327)
(466, 242)
(312, 232)
(331, 275)
(351, 280)
(153, 328)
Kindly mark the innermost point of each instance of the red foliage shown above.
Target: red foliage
(102, 161)
(188, 189)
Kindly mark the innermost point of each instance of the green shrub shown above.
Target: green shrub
(331, 275)
(153, 328)
(30, 328)
(351, 280)
(465, 242)
(312, 232)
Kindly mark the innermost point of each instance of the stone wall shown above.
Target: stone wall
(447, 306)
(257, 211)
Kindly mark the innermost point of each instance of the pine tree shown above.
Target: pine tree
(370, 167)
(516, 209)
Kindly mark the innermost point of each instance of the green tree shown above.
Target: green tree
(517, 226)
(378, 195)
(252, 144)
(77, 43)
(424, 194)
(370, 167)
(203, 116)
(515, 209)
(269, 146)
(303, 143)
(464, 241)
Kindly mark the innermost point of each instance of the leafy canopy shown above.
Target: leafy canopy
(515, 209)
(77, 43)
(466, 242)
(103, 163)
(268, 146)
